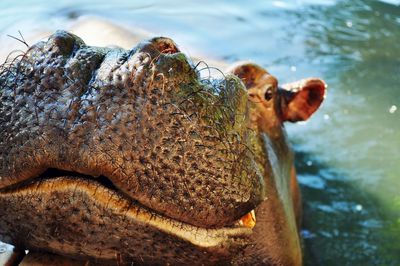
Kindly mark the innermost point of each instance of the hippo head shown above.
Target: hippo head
(131, 157)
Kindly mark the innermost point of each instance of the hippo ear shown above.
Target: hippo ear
(250, 73)
(299, 100)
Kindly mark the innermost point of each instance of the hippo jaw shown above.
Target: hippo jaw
(183, 164)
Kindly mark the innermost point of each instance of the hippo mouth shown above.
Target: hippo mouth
(60, 186)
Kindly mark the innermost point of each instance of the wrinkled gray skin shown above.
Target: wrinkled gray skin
(148, 163)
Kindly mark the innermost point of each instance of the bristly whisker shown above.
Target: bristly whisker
(21, 39)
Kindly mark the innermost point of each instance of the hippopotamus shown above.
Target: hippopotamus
(125, 157)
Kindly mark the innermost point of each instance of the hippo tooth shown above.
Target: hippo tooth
(248, 220)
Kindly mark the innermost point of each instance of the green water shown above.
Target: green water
(351, 184)
(348, 154)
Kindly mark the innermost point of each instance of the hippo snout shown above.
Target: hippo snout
(141, 119)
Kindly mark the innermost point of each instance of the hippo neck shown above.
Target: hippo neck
(281, 160)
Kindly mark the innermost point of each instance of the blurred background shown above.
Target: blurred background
(348, 156)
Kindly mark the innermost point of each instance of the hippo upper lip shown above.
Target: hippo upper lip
(53, 173)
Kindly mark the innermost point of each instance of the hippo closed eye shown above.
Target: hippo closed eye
(127, 157)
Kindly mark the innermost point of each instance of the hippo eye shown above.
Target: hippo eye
(268, 94)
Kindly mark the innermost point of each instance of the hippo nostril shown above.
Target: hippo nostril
(165, 45)
(155, 47)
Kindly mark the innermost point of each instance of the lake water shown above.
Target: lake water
(348, 155)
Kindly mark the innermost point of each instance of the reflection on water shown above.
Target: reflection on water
(347, 155)
(354, 218)
(355, 215)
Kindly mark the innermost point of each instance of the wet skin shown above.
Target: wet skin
(129, 156)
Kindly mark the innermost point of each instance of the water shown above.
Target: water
(347, 154)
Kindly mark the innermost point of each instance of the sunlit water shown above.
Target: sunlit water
(348, 155)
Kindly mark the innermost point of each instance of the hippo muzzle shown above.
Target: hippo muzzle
(109, 154)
